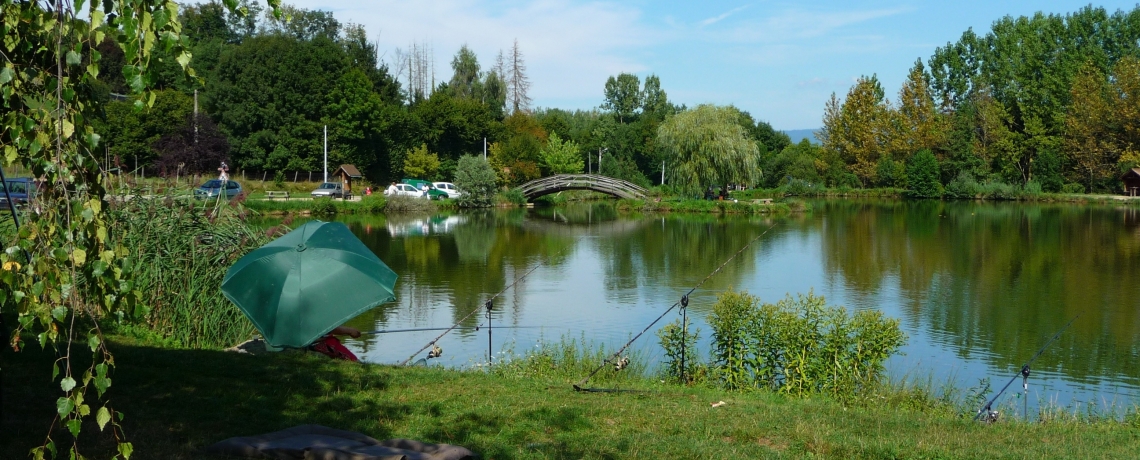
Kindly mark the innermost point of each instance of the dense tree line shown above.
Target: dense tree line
(1046, 102)
(271, 86)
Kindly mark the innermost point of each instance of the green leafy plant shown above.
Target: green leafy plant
(514, 196)
(799, 345)
(922, 176)
(65, 269)
(680, 345)
(323, 207)
(475, 177)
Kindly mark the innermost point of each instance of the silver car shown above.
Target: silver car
(329, 189)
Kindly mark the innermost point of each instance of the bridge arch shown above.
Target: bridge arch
(602, 184)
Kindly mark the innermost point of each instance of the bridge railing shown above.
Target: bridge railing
(603, 184)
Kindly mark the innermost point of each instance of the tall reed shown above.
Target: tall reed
(183, 249)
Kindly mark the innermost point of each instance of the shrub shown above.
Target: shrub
(963, 186)
(373, 204)
(1032, 188)
(799, 187)
(799, 345)
(401, 203)
(279, 179)
(678, 343)
(475, 177)
(922, 176)
(323, 207)
(1073, 188)
(515, 197)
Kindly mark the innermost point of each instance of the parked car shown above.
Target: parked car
(405, 190)
(428, 190)
(216, 187)
(21, 190)
(448, 188)
(329, 189)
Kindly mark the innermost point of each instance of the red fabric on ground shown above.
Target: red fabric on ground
(330, 346)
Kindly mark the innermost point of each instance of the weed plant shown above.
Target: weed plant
(183, 250)
(323, 207)
(512, 197)
(569, 360)
(681, 364)
(799, 345)
(409, 204)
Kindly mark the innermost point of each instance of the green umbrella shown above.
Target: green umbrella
(306, 283)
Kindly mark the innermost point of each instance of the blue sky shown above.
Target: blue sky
(778, 60)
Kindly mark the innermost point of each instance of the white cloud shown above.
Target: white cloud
(801, 24)
(569, 48)
(722, 16)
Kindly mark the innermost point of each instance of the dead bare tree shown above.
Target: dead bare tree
(517, 83)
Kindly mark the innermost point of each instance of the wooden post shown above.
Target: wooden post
(263, 173)
(295, 173)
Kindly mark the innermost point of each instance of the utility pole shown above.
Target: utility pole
(326, 153)
(484, 149)
(662, 172)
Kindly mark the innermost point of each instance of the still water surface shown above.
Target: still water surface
(978, 287)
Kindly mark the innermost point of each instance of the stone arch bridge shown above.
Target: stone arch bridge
(602, 184)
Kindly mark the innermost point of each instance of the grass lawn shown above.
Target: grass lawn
(177, 401)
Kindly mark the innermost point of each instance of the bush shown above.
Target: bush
(1032, 188)
(475, 177)
(279, 179)
(799, 345)
(1073, 188)
(515, 197)
(373, 204)
(922, 176)
(677, 342)
(799, 187)
(401, 203)
(323, 207)
(963, 187)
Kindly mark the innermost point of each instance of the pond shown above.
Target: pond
(978, 287)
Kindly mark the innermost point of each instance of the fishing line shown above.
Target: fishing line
(684, 302)
(421, 329)
(1024, 374)
(488, 305)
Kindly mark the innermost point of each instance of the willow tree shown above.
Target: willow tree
(65, 263)
(706, 146)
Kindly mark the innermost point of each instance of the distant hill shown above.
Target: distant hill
(799, 134)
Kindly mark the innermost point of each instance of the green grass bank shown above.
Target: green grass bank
(176, 401)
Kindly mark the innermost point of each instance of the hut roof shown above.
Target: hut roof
(1134, 172)
(350, 171)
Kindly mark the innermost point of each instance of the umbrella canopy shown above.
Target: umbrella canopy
(306, 283)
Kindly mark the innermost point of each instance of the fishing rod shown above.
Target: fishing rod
(420, 329)
(684, 303)
(489, 304)
(1024, 374)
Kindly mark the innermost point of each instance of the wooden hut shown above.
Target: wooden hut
(1131, 182)
(347, 173)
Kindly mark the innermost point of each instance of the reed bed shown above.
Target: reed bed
(184, 248)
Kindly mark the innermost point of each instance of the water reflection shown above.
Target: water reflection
(999, 278)
(978, 286)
